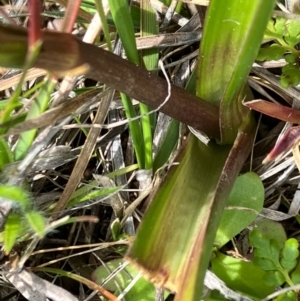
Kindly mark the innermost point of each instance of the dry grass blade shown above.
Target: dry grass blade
(13, 81)
(51, 116)
(84, 157)
(35, 288)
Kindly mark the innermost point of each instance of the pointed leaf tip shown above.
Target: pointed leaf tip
(285, 143)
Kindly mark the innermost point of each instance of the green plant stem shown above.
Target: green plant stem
(103, 19)
(149, 60)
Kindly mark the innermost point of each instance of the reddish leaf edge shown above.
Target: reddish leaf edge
(274, 110)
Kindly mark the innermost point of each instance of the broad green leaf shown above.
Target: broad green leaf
(241, 276)
(143, 290)
(6, 155)
(174, 202)
(15, 194)
(36, 222)
(11, 231)
(244, 204)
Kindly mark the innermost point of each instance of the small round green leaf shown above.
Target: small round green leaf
(290, 250)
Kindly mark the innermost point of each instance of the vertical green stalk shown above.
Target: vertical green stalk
(150, 61)
(122, 19)
(102, 17)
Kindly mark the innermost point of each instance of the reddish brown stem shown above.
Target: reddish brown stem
(62, 53)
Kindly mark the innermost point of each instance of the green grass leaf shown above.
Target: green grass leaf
(37, 222)
(11, 231)
(6, 155)
(16, 194)
(38, 107)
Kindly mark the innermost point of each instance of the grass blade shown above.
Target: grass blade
(38, 107)
(242, 26)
